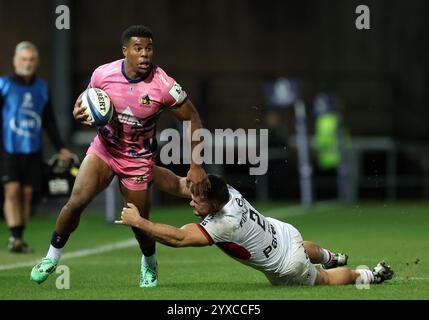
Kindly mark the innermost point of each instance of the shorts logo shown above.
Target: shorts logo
(144, 100)
(139, 179)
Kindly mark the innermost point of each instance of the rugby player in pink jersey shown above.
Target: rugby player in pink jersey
(140, 91)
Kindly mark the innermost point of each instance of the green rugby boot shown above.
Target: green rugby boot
(148, 277)
(43, 269)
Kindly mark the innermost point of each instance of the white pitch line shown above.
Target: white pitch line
(76, 254)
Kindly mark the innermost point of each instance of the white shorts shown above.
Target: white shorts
(298, 269)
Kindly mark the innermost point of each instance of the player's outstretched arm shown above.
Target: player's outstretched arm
(187, 236)
(196, 174)
(167, 181)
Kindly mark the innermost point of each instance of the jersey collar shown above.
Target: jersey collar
(133, 80)
(20, 80)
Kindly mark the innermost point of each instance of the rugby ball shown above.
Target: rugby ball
(98, 106)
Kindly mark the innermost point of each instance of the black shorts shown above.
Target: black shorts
(23, 168)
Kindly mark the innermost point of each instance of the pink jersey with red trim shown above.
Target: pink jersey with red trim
(131, 134)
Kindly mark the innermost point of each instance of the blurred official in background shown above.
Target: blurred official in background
(25, 110)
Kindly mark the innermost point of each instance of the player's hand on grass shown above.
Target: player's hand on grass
(130, 216)
(80, 113)
(197, 181)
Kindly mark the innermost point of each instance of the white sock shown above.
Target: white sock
(54, 253)
(366, 276)
(327, 255)
(149, 261)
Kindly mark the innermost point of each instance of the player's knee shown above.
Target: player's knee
(27, 194)
(12, 192)
(78, 200)
(73, 208)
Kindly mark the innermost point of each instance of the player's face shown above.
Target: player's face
(202, 207)
(25, 62)
(139, 54)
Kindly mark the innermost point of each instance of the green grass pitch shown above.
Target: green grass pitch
(367, 232)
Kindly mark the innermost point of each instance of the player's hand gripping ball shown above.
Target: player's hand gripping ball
(98, 106)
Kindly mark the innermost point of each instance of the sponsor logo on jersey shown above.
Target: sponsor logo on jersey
(127, 117)
(243, 218)
(207, 219)
(27, 100)
(139, 179)
(144, 100)
(28, 125)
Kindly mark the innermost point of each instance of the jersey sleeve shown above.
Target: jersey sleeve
(95, 81)
(217, 229)
(174, 96)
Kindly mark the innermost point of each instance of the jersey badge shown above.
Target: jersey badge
(144, 100)
(139, 179)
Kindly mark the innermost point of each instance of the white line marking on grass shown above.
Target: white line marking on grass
(77, 254)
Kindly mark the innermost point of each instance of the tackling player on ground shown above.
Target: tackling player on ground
(140, 91)
(266, 244)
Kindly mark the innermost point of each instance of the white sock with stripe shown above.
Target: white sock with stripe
(54, 253)
(149, 261)
(366, 276)
(327, 255)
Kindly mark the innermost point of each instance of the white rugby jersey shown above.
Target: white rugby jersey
(246, 235)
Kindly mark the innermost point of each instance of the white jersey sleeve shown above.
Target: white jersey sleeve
(217, 227)
(247, 235)
(173, 95)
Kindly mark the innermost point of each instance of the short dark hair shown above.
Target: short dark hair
(139, 31)
(218, 190)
